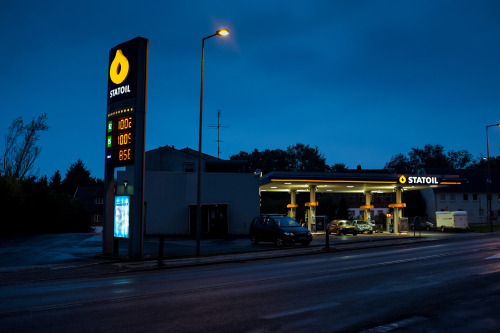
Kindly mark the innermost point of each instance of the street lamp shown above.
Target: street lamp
(488, 181)
(221, 32)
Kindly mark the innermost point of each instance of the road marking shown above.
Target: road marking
(301, 310)
(397, 325)
(54, 307)
(496, 256)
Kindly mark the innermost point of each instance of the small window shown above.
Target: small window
(474, 197)
(388, 197)
(442, 196)
(452, 196)
(481, 212)
(188, 166)
(99, 200)
(466, 197)
(351, 197)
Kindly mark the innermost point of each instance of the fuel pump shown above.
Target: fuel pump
(389, 223)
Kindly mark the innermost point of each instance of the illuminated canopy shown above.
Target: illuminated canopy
(353, 182)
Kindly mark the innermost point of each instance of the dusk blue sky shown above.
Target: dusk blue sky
(360, 80)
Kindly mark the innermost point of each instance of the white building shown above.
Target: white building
(229, 196)
(471, 196)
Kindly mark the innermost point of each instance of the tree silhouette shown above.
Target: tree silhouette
(21, 149)
(299, 157)
(56, 181)
(77, 175)
(431, 156)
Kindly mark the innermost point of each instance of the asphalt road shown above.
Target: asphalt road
(424, 287)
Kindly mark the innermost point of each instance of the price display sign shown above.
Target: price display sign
(120, 140)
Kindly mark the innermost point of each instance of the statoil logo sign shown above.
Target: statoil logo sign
(413, 180)
(122, 72)
(118, 72)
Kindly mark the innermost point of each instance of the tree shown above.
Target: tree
(21, 149)
(399, 164)
(265, 161)
(338, 167)
(55, 181)
(431, 156)
(460, 159)
(77, 175)
(299, 157)
(11, 204)
(304, 158)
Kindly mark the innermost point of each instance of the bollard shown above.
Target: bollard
(115, 247)
(327, 240)
(160, 250)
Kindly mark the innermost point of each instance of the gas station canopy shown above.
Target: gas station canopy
(353, 182)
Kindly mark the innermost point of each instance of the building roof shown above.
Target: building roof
(187, 151)
(476, 180)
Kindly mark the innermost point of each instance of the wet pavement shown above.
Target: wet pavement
(66, 255)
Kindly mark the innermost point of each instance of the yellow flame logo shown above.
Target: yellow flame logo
(118, 70)
(402, 179)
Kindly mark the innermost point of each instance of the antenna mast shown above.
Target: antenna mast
(218, 127)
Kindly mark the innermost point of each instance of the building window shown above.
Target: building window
(351, 197)
(99, 200)
(442, 196)
(188, 166)
(474, 197)
(379, 197)
(452, 196)
(361, 198)
(481, 212)
(97, 218)
(466, 197)
(388, 197)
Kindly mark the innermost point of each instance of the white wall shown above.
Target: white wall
(169, 194)
(476, 209)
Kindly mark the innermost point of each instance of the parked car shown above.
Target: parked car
(363, 226)
(341, 227)
(424, 226)
(278, 229)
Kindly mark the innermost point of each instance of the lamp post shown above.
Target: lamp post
(221, 32)
(488, 180)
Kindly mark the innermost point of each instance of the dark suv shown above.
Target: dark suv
(278, 229)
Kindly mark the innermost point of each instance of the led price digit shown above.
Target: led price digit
(124, 123)
(124, 139)
(124, 155)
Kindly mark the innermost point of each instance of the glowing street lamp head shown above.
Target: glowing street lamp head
(222, 32)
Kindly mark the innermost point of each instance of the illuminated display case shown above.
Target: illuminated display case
(122, 216)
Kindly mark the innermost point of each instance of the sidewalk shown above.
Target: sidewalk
(40, 257)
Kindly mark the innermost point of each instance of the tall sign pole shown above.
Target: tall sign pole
(125, 145)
